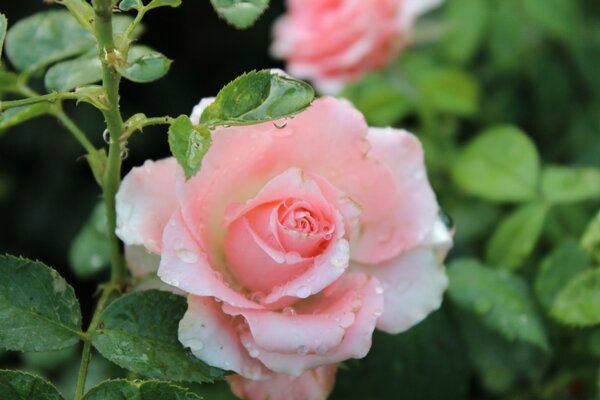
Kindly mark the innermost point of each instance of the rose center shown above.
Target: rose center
(299, 218)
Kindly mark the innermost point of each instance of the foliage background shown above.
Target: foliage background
(476, 64)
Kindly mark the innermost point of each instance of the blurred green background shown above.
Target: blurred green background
(475, 65)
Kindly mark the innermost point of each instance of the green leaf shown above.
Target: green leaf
(500, 299)
(127, 5)
(579, 302)
(45, 38)
(3, 26)
(569, 185)
(139, 390)
(516, 237)
(18, 115)
(38, 308)
(380, 102)
(562, 265)
(82, 11)
(139, 332)
(590, 241)
(256, 97)
(90, 251)
(188, 144)
(558, 18)
(500, 165)
(413, 356)
(449, 91)
(145, 65)
(8, 81)
(49, 361)
(94, 95)
(17, 385)
(97, 161)
(163, 3)
(240, 13)
(467, 20)
(507, 34)
(68, 75)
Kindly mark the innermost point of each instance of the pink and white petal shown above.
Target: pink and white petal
(357, 338)
(185, 265)
(140, 261)
(151, 281)
(315, 384)
(415, 206)
(145, 202)
(212, 337)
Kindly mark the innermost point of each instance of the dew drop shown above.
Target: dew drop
(338, 261)
(96, 261)
(257, 297)
(379, 289)
(364, 146)
(303, 292)
(302, 349)
(187, 256)
(106, 136)
(384, 234)
(195, 344)
(346, 320)
(280, 125)
(293, 257)
(322, 349)
(124, 153)
(289, 311)
(254, 353)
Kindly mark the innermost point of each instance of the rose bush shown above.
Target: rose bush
(333, 41)
(294, 241)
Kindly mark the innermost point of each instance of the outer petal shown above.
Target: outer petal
(357, 338)
(315, 384)
(145, 202)
(212, 337)
(140, 261)
(185, 265)
(413, 283)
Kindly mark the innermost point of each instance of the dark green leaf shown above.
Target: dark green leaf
(579, 302)
(17, 385)
(569, 185)
(499, 298)
(256, 97)
(50, 360)
(145, 65)
(139, 390)
(449, 91)
(188, 144)
(467, 21)
(38, 308)
(45, 38)
(562, 265)
(82, 11)
(516, 237)
(508, 34)
(90, 251)
(68, 75)
(139, 333)
(8, 81)
(414, 357)
(558, 18)
(240, 13)
(590, 241)
(501, 164)
(3, 26)
(17, 115)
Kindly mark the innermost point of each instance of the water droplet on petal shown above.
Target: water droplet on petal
(303, 292)
(257, 297)
(302, 349)
(322, 349)
(364, 146)
(346, 320)
(384, 234)
(379, 289)
(293, 257)
(280, 125)
(289, 311)
(195, 344)
(187, 256)
(254, 353)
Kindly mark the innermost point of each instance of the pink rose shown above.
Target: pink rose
(333, 41)
(292, 243)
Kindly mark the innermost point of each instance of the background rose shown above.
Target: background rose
(333, 41)
(283, 237)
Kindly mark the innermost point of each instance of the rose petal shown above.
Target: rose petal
(140, 261)
(145, 202)
(211, 336)
(315, 384)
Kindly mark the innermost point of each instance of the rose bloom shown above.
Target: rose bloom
(331, 42)
(293, 242)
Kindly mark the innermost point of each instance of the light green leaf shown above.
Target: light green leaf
(500, 299)
(449, 91)
(569, 185)
(579, 302)
(38, 308)
(68, 75)
(17, 385)
(557, 269)
(558, 18)
(258, 96)
(127, 5)
(516, 237)
(8, 81)
(3, 27)
(590, 241)
(90, 251)
(145, 65)
(18, 115)
(163, 3)
(139, 390)
(45, 38)
(240, 13)
(94, 95)
(467, 20)
(82, 11)
(382, 103)
(188, 144)
(139, 332)
(501, 165)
